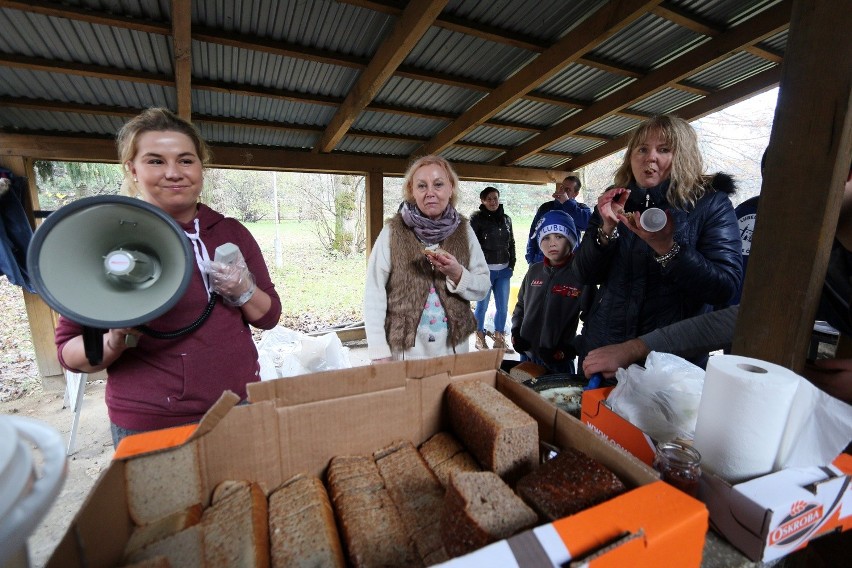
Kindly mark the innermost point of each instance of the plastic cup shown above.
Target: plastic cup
(653, 219)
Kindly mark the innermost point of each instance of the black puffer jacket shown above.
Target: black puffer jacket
(637, 294)
(494, 233)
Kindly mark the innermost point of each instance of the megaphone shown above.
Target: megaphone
(109, 262)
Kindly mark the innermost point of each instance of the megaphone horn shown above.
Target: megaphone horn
(110, 262)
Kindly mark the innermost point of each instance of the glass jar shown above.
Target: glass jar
(679, 465)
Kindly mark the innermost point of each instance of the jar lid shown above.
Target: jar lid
(679, 452)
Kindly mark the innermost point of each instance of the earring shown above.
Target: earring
(135, 180)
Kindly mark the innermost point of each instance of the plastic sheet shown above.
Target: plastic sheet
(284, 352)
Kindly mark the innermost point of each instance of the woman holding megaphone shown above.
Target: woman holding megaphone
(172, 379)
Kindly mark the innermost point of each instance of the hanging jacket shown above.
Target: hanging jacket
(15, 232)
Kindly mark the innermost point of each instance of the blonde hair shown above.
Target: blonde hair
(687, 182)
(153, 120)
(407, 185)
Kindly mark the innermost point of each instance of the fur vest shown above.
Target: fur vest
(410, 279)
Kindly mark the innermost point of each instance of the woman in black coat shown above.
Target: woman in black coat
(651, 279)
(493, 229)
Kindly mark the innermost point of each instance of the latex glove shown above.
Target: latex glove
(232, 281)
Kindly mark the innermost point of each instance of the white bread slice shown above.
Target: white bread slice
(185, 548)
(163, 483)
(302, 530)
(161, 528)
(236, 533)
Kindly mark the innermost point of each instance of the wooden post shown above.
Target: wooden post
(806, 169)
(42, 319)
(375, 206)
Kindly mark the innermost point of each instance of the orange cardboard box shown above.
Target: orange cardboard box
(766, 518)
(298, 424)
(597, 415)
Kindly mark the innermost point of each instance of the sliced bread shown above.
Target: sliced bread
(161, 528)
(236, 529)
(152, 489)
(479, 508)
(502, 437)
(184, 548)
(302, 531)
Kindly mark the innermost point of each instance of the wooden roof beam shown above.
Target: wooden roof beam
(409, 28)
(182, 64)
(711, 103)
(747, 33)
(596, 29)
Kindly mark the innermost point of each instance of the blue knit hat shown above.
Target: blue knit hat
(558, 222)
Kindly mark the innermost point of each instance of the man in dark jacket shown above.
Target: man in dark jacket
(564, 199)
(493, 230)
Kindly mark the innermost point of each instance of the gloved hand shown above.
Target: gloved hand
(232, 281)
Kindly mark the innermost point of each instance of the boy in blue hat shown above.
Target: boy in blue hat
(546, 315)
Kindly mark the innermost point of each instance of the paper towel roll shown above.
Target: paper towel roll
(742, 414)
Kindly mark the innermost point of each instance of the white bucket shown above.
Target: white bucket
(28, 486)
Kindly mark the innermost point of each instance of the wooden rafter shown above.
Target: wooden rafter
(409, 28)
(598, 27)
(703, 56)
(182, 40)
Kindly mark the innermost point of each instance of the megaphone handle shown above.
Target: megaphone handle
(93, 343)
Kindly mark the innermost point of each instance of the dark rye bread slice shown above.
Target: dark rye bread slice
(302, 530)
(460, 462)
(236, 529)
(502, 437)
(567, 484)
(417, 494)
(372, 530)
(479, 508)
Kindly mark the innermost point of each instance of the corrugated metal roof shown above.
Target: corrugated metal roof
(292, 63)
(398, 124)
(666, 100)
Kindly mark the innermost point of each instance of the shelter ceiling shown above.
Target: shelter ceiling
(517, 89)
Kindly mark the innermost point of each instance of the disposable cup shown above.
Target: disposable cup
(653, 219)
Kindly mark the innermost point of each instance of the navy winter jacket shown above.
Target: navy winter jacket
(638, 295)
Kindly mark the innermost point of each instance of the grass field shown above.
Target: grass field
(319, 288)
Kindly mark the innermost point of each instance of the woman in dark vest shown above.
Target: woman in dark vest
(425, 268)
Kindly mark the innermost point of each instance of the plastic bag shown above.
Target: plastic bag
(287, 353)
(661, 398)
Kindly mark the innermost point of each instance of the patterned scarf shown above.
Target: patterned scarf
(428, 231)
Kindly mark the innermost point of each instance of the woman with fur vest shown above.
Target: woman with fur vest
(425, 268)
(649, 279)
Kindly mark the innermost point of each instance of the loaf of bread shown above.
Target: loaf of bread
(445, 454)
(184, 548)
(236, 530)
(370, 524)
(161, 528)
(152, 492)
(526, 370)
(479, 508)
(302, 530)
(417, 495)
(567, 484)
(502, 437)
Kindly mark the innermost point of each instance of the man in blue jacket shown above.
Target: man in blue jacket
(564, 199)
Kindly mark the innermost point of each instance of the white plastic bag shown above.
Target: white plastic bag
(661, 398)
(287, 353)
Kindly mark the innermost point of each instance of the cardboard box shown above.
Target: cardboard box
(297, 424)
(766, 518)
(597, 415)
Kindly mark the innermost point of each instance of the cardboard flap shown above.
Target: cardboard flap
(216, 413)
(593, 399)
(301, 389)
